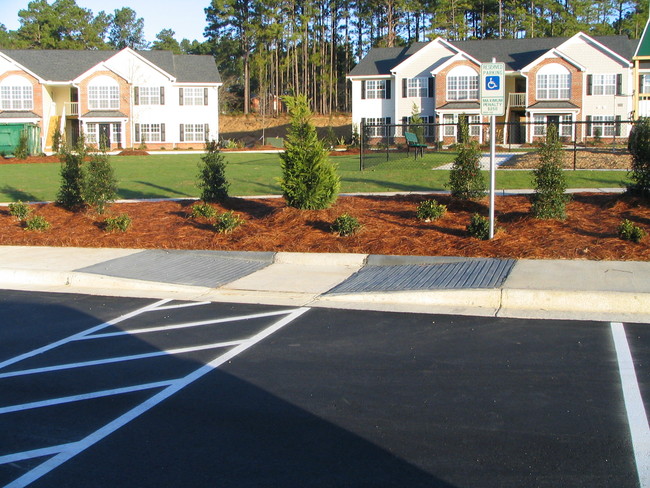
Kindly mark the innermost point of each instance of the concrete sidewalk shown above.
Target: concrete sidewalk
(598, 290)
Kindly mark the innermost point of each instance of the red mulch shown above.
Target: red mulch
(389, 227)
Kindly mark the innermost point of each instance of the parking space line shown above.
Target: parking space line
(201, 323)
(636, 414)
(177, 385)
(119, 359)
(84, 396)
(182, 305)
(34, 453)
(83, 333)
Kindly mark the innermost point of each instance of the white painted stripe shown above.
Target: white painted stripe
(636, 414)
(34, 453)
(84, 396)
(201, 323)
(178, 385)
(183, 305)
(98, 362)
(75, 337)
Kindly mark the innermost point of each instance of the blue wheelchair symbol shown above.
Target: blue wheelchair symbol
(492, 82)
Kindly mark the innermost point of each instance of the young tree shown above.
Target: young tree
(549, 182)
(465, 178)
(212, 174)
(70, 195)
(100, 185)
(309, 179)
(639, 147)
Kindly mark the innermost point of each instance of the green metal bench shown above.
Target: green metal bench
(412, 142)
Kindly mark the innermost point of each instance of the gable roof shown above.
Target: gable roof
(643, 48)
(61, 65)
(515, 53)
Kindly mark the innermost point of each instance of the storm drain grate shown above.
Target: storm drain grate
(475, 273)
(196, 268)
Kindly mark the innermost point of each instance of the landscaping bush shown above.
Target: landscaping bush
(37, 223)
(430, 210)
(639, 147)
(227, 222)
(57, 141)
(203, 210)
(479, 227)
(119, 223)
(19, 210)
(465, 178)
(345, 225)
(212, 174)
(630, 232)
(309, 179)
(549, 181)
(22, 150)
(100, 185)
(70, 195)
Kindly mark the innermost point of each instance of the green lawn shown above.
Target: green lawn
(174, 176)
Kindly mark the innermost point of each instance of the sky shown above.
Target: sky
(185, 17)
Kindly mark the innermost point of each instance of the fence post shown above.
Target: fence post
(575, 152)
(362, 131)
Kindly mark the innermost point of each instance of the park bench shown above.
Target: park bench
(412, 142)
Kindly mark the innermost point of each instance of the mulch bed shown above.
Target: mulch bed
(389, 227)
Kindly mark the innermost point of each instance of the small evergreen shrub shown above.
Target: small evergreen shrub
(479, 227)
(70, 195)
(227, 222)
(549, 181)
(19, 210)
(203, 210)
(37, 223)
(465, 178)
(119, 223)
(430, 210)
(57, 141)
(100, 185)
(630, 232)
(345, 225)
(639, 146)
(22, 150)
(212, 174)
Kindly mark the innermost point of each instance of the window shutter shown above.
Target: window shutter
(162, 95)
(432, 90)
(136, 95)
(387, 120)
(404, 88)
(363, 89)
(162, 132)
(137, 132)
(388, 94)
(182, 132)
(590, 84)
(405, 121)
(619, 84)
(205, 96)
(180, 96)
(588, 119)
(617, 127)
(207, 132)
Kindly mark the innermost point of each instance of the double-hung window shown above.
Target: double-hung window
(193, 96)
(417, 87)
(603, 125)
(376, 89)
(645, 84)
(553, 83)
(150, 132)
(603, 84)
(149, 95)
(541, 122)
(381, 123)
(450, 122)
(194, 132)
(103, 97)
(462, 84)
(17, 97)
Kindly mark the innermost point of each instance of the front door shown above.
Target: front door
(554, 120)
(105, 136)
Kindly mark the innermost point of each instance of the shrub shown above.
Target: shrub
(639, 147)
(227, 222)
(212, 174)
(430, 210)
(630, 232)
(70, 193)
(465, 178)
(479, 227)
(119, 223)
(22, 149)
(37, 223)
(100, 185)
(203, 210)
(309, 179)
(57, 141)
(345, 225)
(549, 181)
(19, 210)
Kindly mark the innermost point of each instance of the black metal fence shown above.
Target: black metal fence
(393, 146)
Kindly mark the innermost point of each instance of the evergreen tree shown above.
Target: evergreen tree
(212, 174)
(309, 179)
(100, 185)
(126, 30)
(465, 178)
(549, 182)
(71, 191)
(639, 147)
(165, 42)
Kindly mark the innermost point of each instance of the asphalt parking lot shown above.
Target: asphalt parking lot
(106, 392)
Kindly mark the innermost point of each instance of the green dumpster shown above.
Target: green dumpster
(10, 137)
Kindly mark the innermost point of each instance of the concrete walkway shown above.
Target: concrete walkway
(598, 290)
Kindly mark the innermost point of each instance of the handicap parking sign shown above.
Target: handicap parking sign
(492, 83)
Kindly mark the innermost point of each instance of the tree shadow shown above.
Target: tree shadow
(164, 188)
(17, 194)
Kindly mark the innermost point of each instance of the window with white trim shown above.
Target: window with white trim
(417, 87)
(462, 84)
(451, 125)
(103, 97)
(375, 88)
(91, 133)
(150, 95)
(193, 96)
(150, 133)
(193, 132)
(553, 83)
(603, 125)
(645, 84)
(379, 131)
(565, 128)
(603, 84)
(16, 95)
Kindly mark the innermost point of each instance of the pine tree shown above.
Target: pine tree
(212, 174)
(309, 179)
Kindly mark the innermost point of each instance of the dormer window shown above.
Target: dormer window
(462, 84)
(553, 83)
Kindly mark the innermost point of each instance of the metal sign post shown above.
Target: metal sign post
(492, 104)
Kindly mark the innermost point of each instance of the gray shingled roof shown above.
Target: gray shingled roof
(103, 114)
(65, 65)
(515, 53)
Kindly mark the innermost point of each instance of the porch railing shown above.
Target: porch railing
(72, 108)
